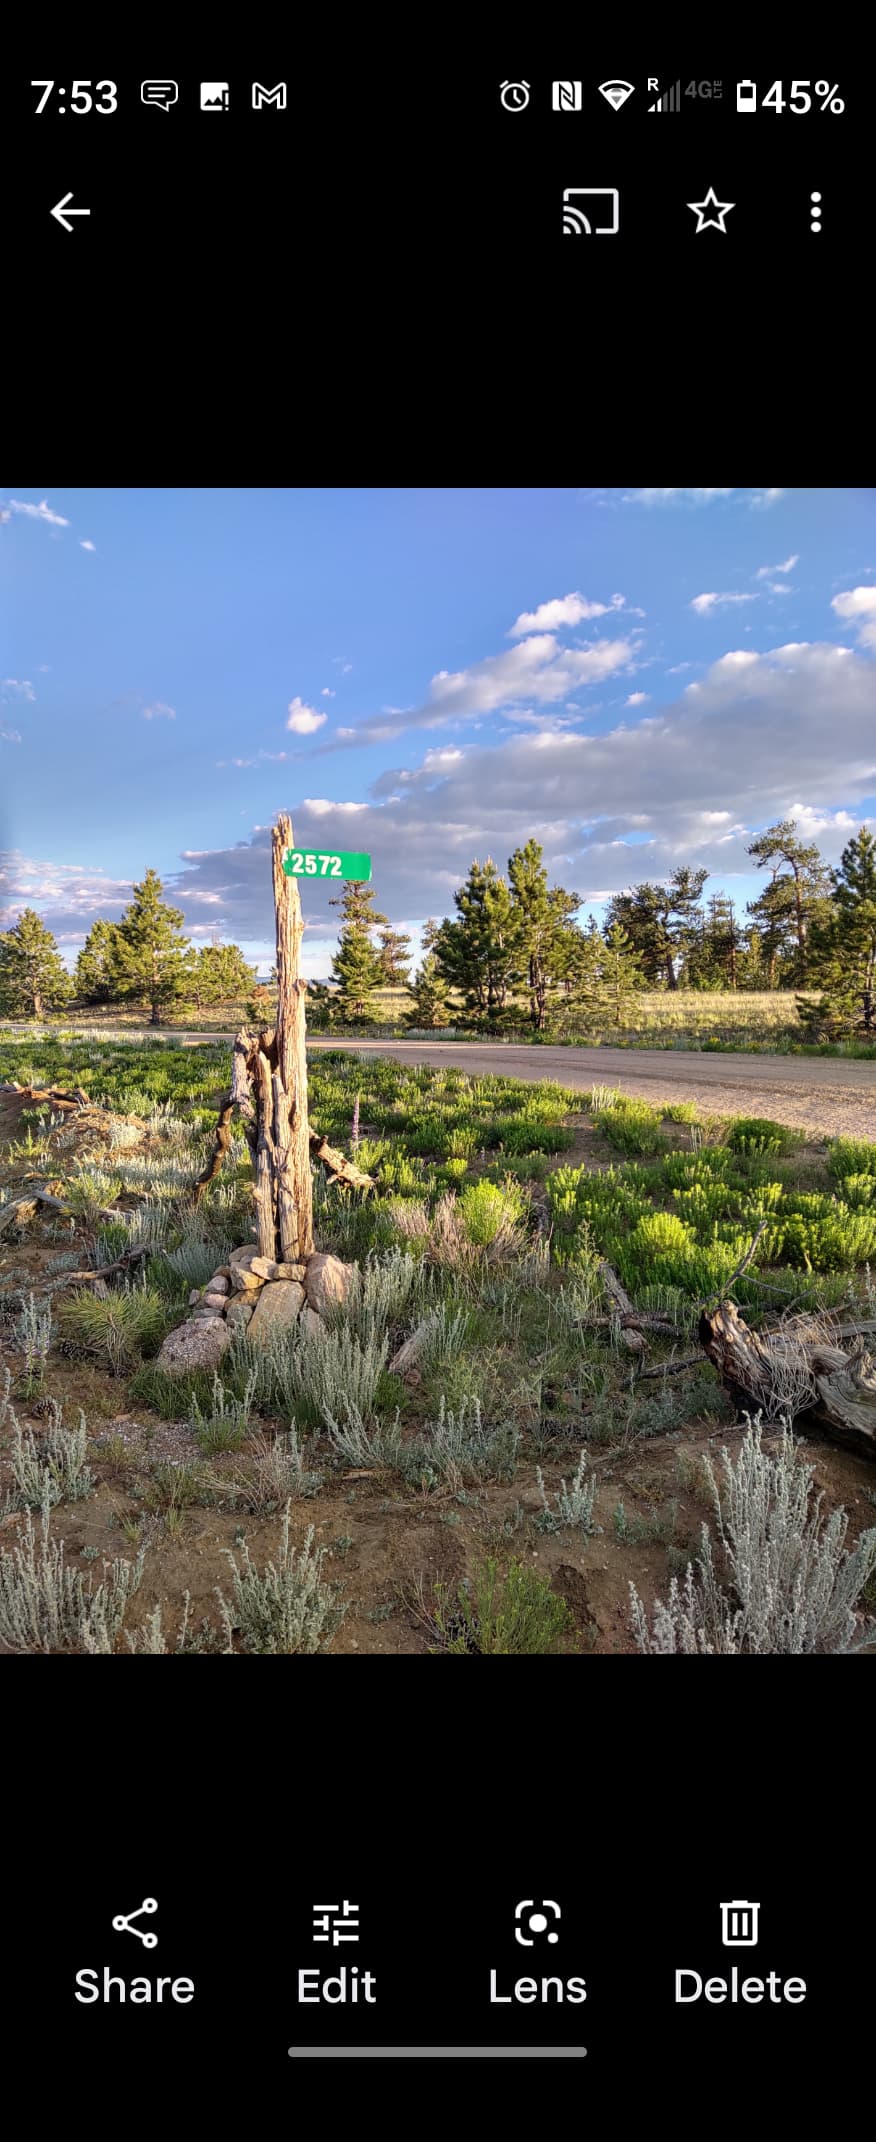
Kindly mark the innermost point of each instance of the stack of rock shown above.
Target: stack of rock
(253, 1293)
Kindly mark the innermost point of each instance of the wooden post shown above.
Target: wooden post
(293, 1188)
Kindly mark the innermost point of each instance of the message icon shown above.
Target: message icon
(164, 94)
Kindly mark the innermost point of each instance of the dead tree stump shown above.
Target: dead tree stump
(269, 1085)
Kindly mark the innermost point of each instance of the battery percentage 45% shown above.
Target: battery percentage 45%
(800, 100)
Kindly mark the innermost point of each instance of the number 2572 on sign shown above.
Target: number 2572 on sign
(313, 863)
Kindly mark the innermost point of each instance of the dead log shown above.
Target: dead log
(792, 1373)
(627, 1319)
(24, 1208)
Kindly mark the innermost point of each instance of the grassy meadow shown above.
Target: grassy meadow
(753, 1022)
(500, 1489)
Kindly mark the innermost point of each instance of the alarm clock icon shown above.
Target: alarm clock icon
(515, 96)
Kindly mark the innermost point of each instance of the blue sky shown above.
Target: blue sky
(635, 677)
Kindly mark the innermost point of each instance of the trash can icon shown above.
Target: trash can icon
(739, 1924)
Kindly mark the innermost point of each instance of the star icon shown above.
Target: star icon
(714, 222)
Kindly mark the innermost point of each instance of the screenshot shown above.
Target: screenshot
(437, 1219)
(697, 162)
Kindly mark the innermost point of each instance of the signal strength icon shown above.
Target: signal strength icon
(616, 93)
(669, 102)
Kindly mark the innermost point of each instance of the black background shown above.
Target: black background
(383, 264)
(638, 1799)
(395, 164)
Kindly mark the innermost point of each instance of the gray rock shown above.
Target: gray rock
(277, 1308)
(197, 1295)
(219, 1282)
(327, 1280)
(238, 1313)
(243, 1255)
(199, 1343)
(216, 1302)
(311, 1323)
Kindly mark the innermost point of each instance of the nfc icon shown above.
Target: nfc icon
(567, 96)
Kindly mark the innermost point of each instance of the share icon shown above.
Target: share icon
(122, 1925)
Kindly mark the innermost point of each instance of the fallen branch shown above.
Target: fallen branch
(342, 1170)
(120, 1264)
(630, 1334)
(59, 1097)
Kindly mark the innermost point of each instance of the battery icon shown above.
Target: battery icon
(746, 96)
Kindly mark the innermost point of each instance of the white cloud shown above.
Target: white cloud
(764, 571)
(765, 498)
(678, 668)
(780, 587)
(326, 694)
(701, 603)
(563, 610)
(85, 545)
(158, 711)
(16, 688)
(42, 512)
(859, 604)
(304, 720)
(536, 669)
(637, 699)
(659, 498)
(11, 736)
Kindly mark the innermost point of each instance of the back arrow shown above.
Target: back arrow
(60, 205)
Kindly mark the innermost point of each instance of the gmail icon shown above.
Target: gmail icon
(262, 96)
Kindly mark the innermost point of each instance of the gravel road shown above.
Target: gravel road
(824, 1095)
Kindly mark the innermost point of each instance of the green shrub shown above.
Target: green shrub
(490, 1212)
(851, 1156)
(491, 1614)
(288, 1608)
(633, 1127)
(757, 1134)
(116, 1329)
(60, 1472)
(225, 1425)
(529, 1134)
(44, 1606)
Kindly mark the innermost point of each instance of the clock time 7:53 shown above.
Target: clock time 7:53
(81, 99)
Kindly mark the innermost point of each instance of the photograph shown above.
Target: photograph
(437, 1072)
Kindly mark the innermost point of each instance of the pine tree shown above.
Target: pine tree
(32, 974)
(222, 975)
(94, 967)
(843, 947)
(151, 962)
(540, 919)
(477, 954)
(395, 960)
(356, 966)
(429, 991)
(621, 973)
(795, 898)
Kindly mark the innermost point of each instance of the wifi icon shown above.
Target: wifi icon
(616, 93)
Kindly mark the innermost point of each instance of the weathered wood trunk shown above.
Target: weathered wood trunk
(269, 1086)
(796, 1371)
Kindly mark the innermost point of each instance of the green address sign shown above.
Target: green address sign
(318, 863)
